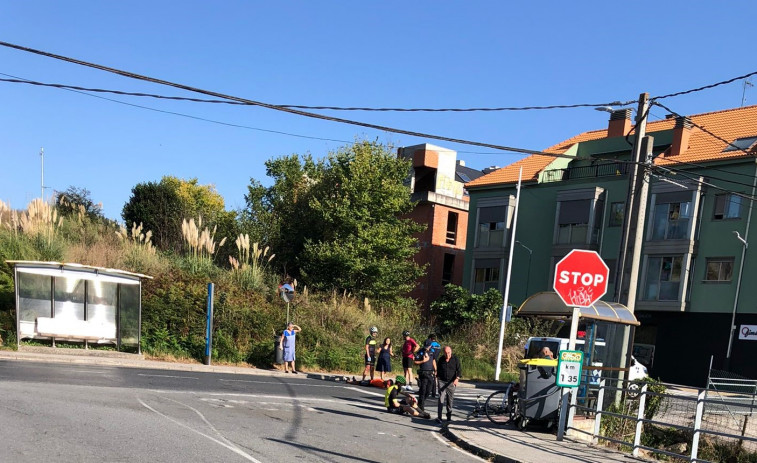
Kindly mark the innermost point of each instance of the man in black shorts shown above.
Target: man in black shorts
(370, 353)
(399, 406)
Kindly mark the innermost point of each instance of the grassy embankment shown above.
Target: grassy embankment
(248, 310)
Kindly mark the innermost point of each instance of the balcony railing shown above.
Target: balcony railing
(605, 169)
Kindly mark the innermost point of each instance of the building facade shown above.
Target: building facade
(436, 186)
(695, 263)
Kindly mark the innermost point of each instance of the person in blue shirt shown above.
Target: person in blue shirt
(286, 343)
(433, 348)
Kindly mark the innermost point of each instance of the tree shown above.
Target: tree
(161, 207)
(336, 223)
(362, 244)
(75, 199)
(158, 207)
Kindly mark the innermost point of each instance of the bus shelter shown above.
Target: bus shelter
(79, 303)
(603, 331)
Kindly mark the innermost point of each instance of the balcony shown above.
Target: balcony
(605, 169)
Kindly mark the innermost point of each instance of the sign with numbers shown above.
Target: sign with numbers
(569, 364)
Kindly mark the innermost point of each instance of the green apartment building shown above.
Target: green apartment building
(697, 272)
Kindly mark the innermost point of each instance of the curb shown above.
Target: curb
(475, 449)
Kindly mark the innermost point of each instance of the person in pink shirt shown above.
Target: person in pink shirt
(409, 348)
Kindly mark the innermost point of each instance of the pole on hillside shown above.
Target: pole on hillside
(498, 367)
(209, 327)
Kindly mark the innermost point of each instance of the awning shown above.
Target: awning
(548, 304)
(84, 272)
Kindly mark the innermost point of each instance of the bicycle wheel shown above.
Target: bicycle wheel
(498, 407)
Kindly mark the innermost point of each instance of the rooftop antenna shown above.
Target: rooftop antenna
(747, 83)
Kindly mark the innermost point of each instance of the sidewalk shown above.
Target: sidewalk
(479, 436)
(506, 444)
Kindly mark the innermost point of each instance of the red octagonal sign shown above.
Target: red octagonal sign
(581, 278)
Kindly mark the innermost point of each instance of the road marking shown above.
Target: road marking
(87, 371)
(378, 394)
(233, 448)
(272, 383)
(438, 437)
(166, 376)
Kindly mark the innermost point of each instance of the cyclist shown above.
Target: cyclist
(370, 353)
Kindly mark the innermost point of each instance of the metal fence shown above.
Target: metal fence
(639, 417)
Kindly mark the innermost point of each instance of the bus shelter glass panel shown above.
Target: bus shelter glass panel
(102, 299)
(129, 315)
(69, 298)
(34, 300)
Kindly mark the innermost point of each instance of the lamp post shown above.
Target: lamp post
(528, 272)
(744, 246)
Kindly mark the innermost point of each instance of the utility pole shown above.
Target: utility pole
(634, 217)
(42, 174)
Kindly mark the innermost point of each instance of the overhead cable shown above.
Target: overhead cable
(280, 108)
(706, 87)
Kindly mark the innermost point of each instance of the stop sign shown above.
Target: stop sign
(581, 278)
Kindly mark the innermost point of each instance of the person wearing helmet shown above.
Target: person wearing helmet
(407, 405)
(409, 348)
(370, 353)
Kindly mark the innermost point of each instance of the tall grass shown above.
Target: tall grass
(249, 269)
(202, 245)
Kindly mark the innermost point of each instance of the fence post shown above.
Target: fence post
(639, 417)
(697, 424)
(598, 411)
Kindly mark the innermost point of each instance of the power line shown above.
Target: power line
(229, 124)
(279, 108)
(84, 90)
(706, 87)
(17, 80)
(696, 179)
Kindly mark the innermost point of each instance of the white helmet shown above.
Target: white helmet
(374, 329)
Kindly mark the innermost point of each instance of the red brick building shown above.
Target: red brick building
(436, 185)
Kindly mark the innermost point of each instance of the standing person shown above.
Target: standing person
(434, 349)
(286, 342)
(409, 348)
(448, 372)
(384, 364)
(370, 353)
(426, 371)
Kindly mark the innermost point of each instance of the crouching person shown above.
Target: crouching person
(408, 404)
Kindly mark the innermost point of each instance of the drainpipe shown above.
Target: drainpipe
(741, 272)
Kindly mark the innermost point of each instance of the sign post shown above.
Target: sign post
(287, 293)
(209, 326)
(569, 365)
(580, 281)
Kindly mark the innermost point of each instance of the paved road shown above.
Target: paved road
(85, 413)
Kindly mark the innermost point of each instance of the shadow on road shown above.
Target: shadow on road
(310, 448)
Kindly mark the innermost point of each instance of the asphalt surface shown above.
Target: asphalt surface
(89, 412)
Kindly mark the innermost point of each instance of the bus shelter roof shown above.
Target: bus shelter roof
(548, 304)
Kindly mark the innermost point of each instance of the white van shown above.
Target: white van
(534, 345)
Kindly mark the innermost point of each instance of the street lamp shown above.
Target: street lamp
(744, 246)
(528, 272)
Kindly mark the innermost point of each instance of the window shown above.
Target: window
(719, 269)
(486, 275)
(727, 206)
(491, 226)
(573, 221)
(451, 227)
(448, 268)
(740, 144)
(617, 211)
(672, 214)
(663, 281)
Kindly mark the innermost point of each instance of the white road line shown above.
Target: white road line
(202, 417)
(269, 382)
(223, 444)
(88, 371)
(364, 391)
(166, 376)
(275, 397)
(438, 437)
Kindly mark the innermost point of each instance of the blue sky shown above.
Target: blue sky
(378, 54)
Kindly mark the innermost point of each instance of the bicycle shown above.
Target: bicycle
(501, 407)
(478, 409)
